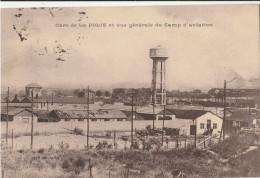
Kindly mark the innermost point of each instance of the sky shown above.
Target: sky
(35, 49)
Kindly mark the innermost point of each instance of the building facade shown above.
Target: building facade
(34, 88)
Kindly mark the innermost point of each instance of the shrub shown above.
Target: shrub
(41, 150)
(66, 165)
(75, 166)
(135, 144)
(235, 144)
(79, 163)
(21, 151)
(198, 153)
(102, 145)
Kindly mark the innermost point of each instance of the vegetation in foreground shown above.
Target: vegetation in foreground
(229, 158)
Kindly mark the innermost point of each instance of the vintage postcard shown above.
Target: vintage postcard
(130, 91)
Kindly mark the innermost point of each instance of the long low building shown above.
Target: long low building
(81, 115)
(242, 118)
(18, 115)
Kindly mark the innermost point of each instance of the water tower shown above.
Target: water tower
(159, 56)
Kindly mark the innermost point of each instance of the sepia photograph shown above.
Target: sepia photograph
(152, 91)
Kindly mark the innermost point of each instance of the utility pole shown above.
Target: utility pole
(216, 102)
(47, 108)
(135, 106)
(153, 114)
(32, 124)
(132, 120)
(224, 118)
(12, 138)
(88, 120)
(52, 98)
(163, 122)
(7, 118)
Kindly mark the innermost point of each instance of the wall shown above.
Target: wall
(213, 118)
(98, 120)
(36, 91)
(58, 127)
(20, 118)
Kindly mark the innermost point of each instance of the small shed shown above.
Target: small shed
(242, 118)
(204, 120)
(18, 115)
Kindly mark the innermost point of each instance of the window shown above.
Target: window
(119, 119)
(201, 125)
(67, 119)
(236, 124)
(94, 120)
(107, 119)
(25, 120)
(81, 119)
(214, 125)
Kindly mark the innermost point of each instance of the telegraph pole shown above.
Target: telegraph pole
(52, 98)
(224, 118)
(48, 108)
(163, 122)
(132, 120)
(32, 124)
(135, 106)
(7, 117)
(153, 115)
(88, 120)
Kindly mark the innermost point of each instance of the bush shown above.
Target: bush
(104, 144)
(235, 144)
(135, 144)
(198, 153)
(41, 150)
(21, 151)
(76, 166)
(80, 163)
(66, 165)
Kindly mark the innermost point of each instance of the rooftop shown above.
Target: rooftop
(245, 115)
(99, 114)
(33, 85)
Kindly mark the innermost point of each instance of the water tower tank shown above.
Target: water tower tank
(158, 53)
(159, 56)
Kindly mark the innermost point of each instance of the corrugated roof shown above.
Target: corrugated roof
(129, 115)
(187, 114)
(116, 114)
(11, 110)
(244, 115)
(34, 85)
(98, 114)
(117, 107)
(149, 110)
(15, 100)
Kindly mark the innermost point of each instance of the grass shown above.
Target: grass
(235, 144)
(142, 163)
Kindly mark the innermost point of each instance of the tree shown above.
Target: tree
(119, 93)
(99, 93)
(81, 94)
(107, 94)
(76, 92)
